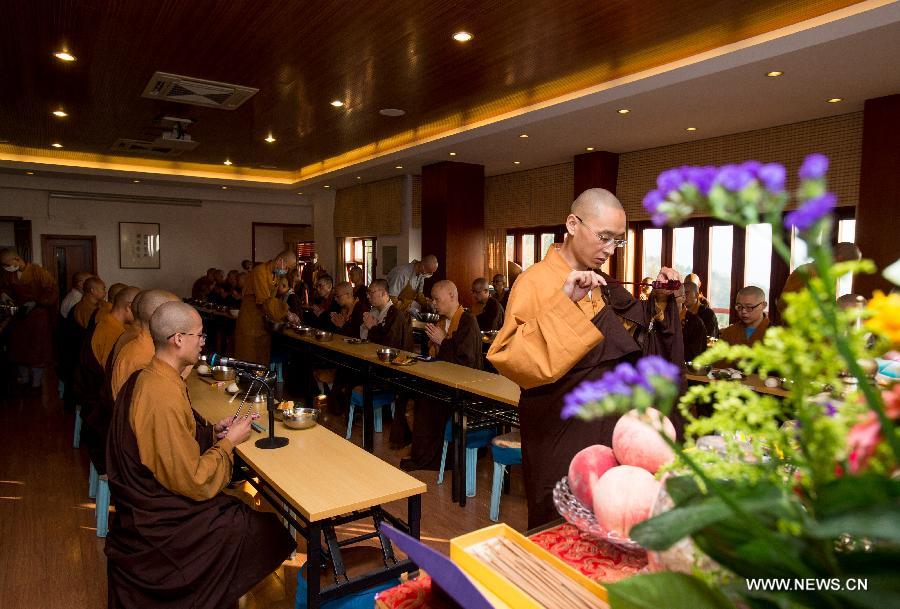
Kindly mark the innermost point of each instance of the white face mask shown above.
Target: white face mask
(10, 269)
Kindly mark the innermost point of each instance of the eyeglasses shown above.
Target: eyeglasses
(202, 335)
(740, 307)
(604, 240)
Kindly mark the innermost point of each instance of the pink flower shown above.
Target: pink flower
(865, 436)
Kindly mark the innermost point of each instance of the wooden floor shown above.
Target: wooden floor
(50, 555)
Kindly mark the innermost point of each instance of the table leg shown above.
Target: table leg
(313, 565)
(368, 414)
(460, 473)
(414, 504)
(454, 475)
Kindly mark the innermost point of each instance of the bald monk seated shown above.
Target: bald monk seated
(385, 324)
(750, 305)
(176, 540)
(487, 309)
(93, 300)
(455, 339)
(406, 283)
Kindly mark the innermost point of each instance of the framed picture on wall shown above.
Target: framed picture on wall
(138, 245)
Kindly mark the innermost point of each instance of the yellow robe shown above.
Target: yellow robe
(85, 308)
(133, 356)
(544, 333)
(108, 331)
(253, 342)
(165, 429)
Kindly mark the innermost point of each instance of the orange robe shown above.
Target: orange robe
(253, 342)
(31, 335)
(133, 356)
(85, 308)
(108, 331)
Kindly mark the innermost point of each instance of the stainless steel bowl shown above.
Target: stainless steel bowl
(386, 355)
(428, 317)
(323, 336)
(300, 418)
(223, 373)
(302, 330)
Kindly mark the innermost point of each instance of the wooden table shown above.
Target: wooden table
(752, 381)
(320, 480)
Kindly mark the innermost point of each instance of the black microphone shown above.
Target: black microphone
(219, 360)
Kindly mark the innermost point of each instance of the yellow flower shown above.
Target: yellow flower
(885, 319)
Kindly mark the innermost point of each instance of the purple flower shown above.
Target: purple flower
(659, 219)
(751, 167)
(620, 382)
(652, 200)
(669, 180)
(772, 176)
(811, 212)
(814, 167)
(701, 177)
(733, 177)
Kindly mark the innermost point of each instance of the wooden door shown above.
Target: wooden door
(65, 255)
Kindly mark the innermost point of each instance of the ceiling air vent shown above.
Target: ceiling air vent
(197, 92)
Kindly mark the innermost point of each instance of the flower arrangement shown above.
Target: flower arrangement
(806, 490)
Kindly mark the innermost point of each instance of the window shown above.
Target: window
(846, 233)
(510, 248)
(525, 246)
(547, 239)
(799, 251)
(683, 250)
(721, 241)
(651, 257)
(360, 251)
(629, 255)
(758, 257)
(528, 253)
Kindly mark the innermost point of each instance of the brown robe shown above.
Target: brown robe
(253, 342)
(549, 345)
(395, 330)
(89, 381)
(735, 335)
(461, 346)
(166, 549)
(108, 331)
(31, 334)
(490, 318)
(352, 325)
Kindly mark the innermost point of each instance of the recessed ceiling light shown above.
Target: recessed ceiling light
(29, 173)
(623, 110)
(517, 162)
(462, 36)
(523, 135)
(270, 138)
(227, 162)
(774, 73)
(452, 154)
(56, 145)
(337, 103)
(60, 113)
(299, 193)
(398, 167)
(136, 181)
(391, 112)
(835, 100)
(64, 56)
(224, 188)
(327, 186)
(589, 148)
(359, 177)
(691, 129)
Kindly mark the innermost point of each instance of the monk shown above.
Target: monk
(320, 314)
(487, 309)
(455, 339)
(844, 251)
(386, 324)
(406, 283)
(33, 290)
(696, 305)
(750, 305)
(112, 325)
(349, 318)
(253, 342)
(132, 329)
(565, 325)
(74, 295)
(500, 291)
(176, 540)
(136, 354)
(93, 301)
(358, 279)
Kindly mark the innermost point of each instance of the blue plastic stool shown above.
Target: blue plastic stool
(506, 450)
(475, 439)
(93, 481)
(76, 438)
(364, 599)
(379, 401)
(102, 507)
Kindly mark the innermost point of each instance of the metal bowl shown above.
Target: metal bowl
(223, 373)
(302, 330)
(386, 354)
(245, 383)
(300, 418)
(428, 317)
(488, 336)
(323, 336)
(234, 312)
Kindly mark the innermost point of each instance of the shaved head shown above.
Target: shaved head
(847, 252)
(753, 292)
(342, 288)
(445, 286)
(8, 257)
(113, 290)
(289, 258)
(445, 297)
(480, 284)
(594, 201)
(690, 288)
(92, 283)
(79, 278)
(430, 262)
(125, 297)
(150, 301)
(172, 318)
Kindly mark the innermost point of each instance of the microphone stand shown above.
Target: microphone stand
(271, 441)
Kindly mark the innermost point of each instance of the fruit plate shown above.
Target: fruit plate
(582, 517)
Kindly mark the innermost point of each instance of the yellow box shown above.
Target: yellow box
(499, 585)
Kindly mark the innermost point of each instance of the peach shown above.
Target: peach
(586, 468)
(623, 497)
(637, 442)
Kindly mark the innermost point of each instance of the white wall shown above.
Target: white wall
(192, 239)
(323, 228)
(269, 242)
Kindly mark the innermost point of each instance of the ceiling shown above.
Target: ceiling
(302, 55)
